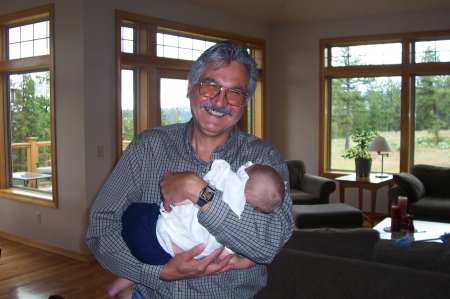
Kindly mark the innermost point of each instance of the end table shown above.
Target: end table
(371, 183)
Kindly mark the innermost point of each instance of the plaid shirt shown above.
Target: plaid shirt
(136, 178)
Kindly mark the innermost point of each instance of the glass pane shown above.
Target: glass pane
(14, 51)
(28, 40)
(432, 51)
(26, 49)
(41, 30)
(128, 103)
(175, 106)
(14, 35)
(26, 33)
(179, 47)
(170, 52)
(432, 120)
(376, 54)
(30, 129)
(127, 46)
(41, 47)
(369, 103)
(127, 39)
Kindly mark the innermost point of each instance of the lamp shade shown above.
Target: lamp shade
(379, 144)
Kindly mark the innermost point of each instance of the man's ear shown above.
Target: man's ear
(189, 89)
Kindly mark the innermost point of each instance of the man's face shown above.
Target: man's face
(216, 117)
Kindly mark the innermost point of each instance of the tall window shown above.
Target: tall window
(27, 133)
(396, 85)
(155, 57)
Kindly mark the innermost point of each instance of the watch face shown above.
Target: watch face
(208, 194)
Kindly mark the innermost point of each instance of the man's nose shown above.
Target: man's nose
(220, 100)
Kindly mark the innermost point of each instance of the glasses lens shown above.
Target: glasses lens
(209, 90)
(235, 98)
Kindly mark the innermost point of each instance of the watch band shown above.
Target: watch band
(206, 196)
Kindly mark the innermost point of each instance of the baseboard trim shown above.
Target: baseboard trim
(89, 258)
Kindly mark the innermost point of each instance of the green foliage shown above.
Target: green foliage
(172, 116)
(30, 111)
(29, 115)
(362, 140)
(127, 124)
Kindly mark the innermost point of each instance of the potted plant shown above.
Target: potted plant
(363, 159)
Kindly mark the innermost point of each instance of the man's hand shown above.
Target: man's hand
(178, 186)
(184, 266)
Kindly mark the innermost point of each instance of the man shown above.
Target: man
(168, 163)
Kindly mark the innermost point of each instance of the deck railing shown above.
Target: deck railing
(32, 147)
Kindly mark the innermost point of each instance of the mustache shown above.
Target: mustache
(213, 107)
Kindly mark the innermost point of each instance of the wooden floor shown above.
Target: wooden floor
(30, 273)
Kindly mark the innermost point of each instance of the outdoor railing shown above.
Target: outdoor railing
(32, 147)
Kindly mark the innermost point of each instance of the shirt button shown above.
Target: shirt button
(180, 289)
(204, 170)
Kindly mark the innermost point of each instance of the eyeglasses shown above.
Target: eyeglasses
(211, 90)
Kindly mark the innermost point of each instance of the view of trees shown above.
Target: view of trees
(29, 114)
(168, 116)
(373, 103)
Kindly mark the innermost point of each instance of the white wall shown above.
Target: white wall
(85, 107)
(294, 76)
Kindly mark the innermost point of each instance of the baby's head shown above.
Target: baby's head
(265, 188)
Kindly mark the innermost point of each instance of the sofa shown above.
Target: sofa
(428, 190)
(308, 189)
(356, 263)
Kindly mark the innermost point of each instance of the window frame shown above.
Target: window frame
(146, 63)
(407, 70)
(28, 64)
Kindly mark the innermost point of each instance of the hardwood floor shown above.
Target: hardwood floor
(31, 273)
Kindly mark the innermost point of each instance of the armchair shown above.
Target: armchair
(307, 189)
(428, 191)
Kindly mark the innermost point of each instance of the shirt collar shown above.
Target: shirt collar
(220, 151)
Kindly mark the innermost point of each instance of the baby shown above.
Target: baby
(154, 235)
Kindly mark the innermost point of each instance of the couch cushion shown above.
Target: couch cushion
(356, 243)
(434, 178)
(302, 198)
(430, 256)
(336, 215)
(296, 170)
(431, 208)
(411, 184)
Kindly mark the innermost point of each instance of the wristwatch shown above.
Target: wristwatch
(206, 196)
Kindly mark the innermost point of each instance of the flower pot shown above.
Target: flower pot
(362, 167)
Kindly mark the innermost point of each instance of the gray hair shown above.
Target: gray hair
(224, 53)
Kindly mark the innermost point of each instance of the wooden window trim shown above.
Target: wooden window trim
(406, 70)
(32, 64)
(146, 62)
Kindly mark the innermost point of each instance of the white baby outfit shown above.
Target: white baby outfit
(181, 224)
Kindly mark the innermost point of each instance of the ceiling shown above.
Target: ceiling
(273, 12)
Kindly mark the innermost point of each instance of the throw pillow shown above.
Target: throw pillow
(412, 185)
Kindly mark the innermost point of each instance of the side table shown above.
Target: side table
(371, 183)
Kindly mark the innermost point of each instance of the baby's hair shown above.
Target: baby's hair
(265, 189)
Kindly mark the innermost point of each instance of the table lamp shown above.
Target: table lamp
(379, 144)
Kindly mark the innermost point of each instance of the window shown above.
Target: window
(28, 133)
(154, 59)
(396, 85)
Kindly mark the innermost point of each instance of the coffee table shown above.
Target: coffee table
(425, 230)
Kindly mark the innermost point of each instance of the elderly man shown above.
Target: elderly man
(168, 163)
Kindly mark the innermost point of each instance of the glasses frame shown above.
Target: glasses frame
(225, 89)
